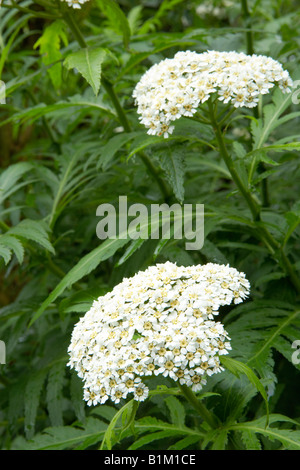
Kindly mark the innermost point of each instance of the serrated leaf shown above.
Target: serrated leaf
(54, 393)
(76, 393)
(133, 247)
(109, 433)
(239, 149)
(87, 264)
(90, 261)
(5, 253)
(76, 101)
(34, 230)
(32, 396)
(49, 46)
(177, 410)
(237, 368)
(250, 440)
(185, 443)
(88, 62)
(9, 178)
(118, 20)
(151, 437)
(173, 165)
(289, 438)
(13, 244)
(63, 437)
(108, 151)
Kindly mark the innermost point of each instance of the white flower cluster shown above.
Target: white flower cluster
(160, 321)
(76, 3)
(176, 87)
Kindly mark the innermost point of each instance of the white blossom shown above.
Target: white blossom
(76, 4)
(176, 87)
(161, 321)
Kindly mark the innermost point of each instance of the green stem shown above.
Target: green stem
(69, 19)
(249, 34)
(201, 409)
(230, 165)
(265, 236)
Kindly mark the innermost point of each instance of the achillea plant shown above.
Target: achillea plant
(160, 321)
(176, 87)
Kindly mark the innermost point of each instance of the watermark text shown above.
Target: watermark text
(157, 221)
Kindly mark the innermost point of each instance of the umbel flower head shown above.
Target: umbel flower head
(176, 87)
(158, 322)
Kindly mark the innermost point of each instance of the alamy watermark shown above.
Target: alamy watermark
(296, 354)
(2, 92)
(159, 221)
(2, 352)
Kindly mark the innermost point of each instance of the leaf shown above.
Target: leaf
(105, 411)
(134, 18)
(76, 393)
(54, 393)
(34, 230)
(10, 176)
(109, 433)
(40, 110)
(172, 163)
(5, 253)
(128, 418)
(18, 25)
(49, 45)
(133, 247)
(90, 261)
(250, 440)
(87, 264)
(153, 23)
(80, 301)
(185, 443)
(276, 148)
(63, 437)
(149, 424)
(220, 440)
(28, 229)
(32, 396)
(118, 20)
(88, 62)
(239, 149)
(237, 367)
(108, 151)
(151, 437)
(13, 244)
(258, 327)
(262, 128)
(177, 410)
(289, 438)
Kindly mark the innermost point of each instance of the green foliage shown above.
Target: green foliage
(88, 62)
(70, 141)
(49, 44)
